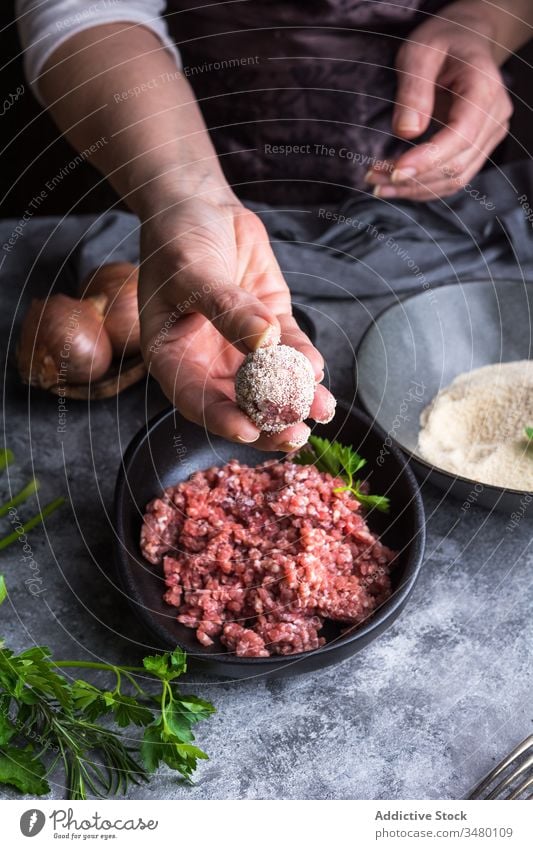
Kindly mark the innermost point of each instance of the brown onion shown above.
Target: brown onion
(64, 340)
(119, 282)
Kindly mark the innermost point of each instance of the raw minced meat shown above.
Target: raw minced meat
(259, 557)
(275, 387)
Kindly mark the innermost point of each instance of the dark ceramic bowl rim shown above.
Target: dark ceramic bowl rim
(413, 558)
(489, 487)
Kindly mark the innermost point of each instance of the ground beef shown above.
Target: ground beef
(260, 557)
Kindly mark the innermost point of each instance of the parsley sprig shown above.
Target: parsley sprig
(343, 462)
(529, 432)
(49, 724)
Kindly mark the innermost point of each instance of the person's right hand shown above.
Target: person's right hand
(210, 292)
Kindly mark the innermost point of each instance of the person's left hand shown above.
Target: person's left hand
(446, 72)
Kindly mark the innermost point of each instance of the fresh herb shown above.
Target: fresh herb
(22, 496)
(343, 462)
(49, 724)
(529, 432)
(7, 457)
(46, 511)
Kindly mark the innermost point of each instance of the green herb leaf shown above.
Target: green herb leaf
(305, 458)
(40, 707)
(183, 757)
(128, 711)
(379, 502)
(199, 707)
(89, 700)
(22, 496)
(529, 432)
(169, 738)
(21, 769)
(326, 455)
(7, 729)
(152, 748)
(47, 510)
(341, 461)
(166, 666)
(41, 711)
(178, 723)
(6, 457)
(160, 745)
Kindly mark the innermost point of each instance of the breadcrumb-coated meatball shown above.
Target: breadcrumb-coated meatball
(275, 387)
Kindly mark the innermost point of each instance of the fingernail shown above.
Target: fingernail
(245, 439)
(295, 443)
(377, 191)
(330, 412)
(401, 174)
(270, 336)
(369, 174)
(409, 120)
(387, 192)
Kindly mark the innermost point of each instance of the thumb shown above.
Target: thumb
(239, 316)
(417, 66)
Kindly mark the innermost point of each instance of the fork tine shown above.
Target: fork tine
(522, 788)
(508, 780)
(494, 773)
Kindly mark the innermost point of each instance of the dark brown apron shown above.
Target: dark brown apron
(297, 95)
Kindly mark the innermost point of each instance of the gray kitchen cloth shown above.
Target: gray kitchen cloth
(369, 246)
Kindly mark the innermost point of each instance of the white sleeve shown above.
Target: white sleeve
(45, 24)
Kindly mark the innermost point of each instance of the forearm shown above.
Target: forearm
(506, 24)
(118, 83)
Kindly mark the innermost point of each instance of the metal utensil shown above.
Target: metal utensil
(513, 776)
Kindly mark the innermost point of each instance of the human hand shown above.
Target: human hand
(447, 72)
(210, 292)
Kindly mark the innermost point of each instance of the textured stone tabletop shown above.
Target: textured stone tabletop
(421, 713)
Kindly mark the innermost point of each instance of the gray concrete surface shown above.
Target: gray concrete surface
(421, 713)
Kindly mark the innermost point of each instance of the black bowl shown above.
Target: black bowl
(417, 346)
(170, 448)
